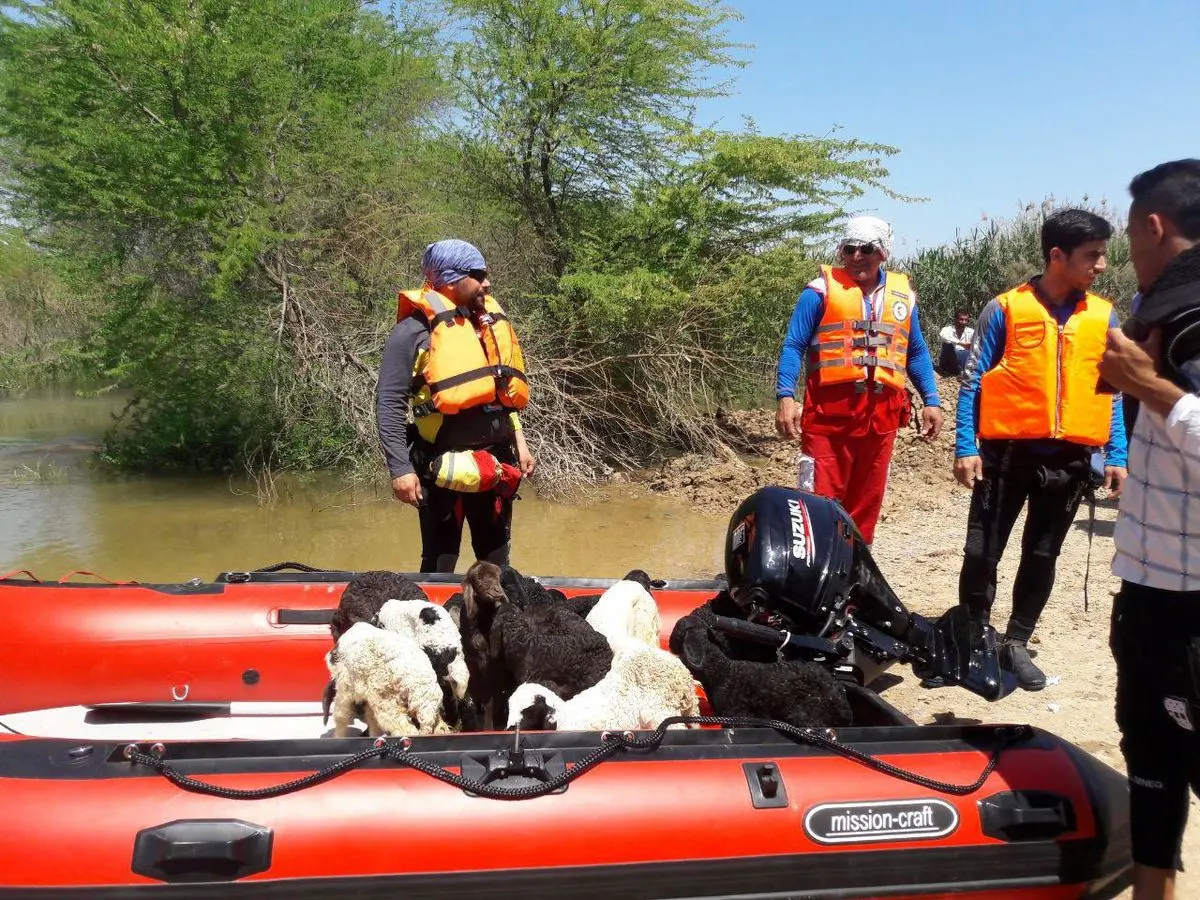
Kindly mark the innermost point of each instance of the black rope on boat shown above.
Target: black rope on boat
(215, 790)
(820, 738)
(396, 751)
(298, 566)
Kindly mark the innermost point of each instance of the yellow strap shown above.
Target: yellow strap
(516, 421)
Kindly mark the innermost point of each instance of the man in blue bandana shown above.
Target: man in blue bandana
(456, 292)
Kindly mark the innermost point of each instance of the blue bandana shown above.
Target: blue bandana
(446, 262)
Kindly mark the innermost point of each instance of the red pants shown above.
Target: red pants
(852, 471)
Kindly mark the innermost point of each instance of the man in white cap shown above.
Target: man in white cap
(857, 325)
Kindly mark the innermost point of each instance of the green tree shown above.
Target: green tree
(571, 103)
(214, 164)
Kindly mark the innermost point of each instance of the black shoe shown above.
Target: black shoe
(1014, 656)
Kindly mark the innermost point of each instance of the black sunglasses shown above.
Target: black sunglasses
(480, 275)
(851, 249)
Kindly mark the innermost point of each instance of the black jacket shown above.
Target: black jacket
(1172, 303)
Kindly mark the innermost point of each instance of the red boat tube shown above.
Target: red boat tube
(980, 811)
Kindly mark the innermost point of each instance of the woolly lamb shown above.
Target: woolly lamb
(434, 631)
(643, 687)
(625, 612)
(392, 677)
(548, 645)
(366, 593)
(799, 693)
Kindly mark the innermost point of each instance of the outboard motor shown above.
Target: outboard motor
(795, 561)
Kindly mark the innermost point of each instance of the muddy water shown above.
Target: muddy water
(60, 510)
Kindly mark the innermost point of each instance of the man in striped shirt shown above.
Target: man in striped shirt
(1155, 634)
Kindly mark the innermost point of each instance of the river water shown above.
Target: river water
(61, 510)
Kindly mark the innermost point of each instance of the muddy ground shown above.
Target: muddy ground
(918, 544)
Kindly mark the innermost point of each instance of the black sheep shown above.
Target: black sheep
(799, 693)
(475, 608)
(705, 615)
(525, 591)
(548, 645)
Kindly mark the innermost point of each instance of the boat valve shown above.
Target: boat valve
(158, 750)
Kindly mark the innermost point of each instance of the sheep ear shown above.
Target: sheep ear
(428, 615)
(695, 648)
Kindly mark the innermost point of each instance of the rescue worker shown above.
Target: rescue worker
(454, 361)
(1155, 629)
(867, 338)
(1032, 419)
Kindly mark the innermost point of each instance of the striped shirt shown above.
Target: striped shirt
(1157, 534)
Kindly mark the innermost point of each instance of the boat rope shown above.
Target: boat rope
(298, 566)
(398, 750)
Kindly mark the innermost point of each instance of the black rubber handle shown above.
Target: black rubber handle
(1026, 816)
(194, 850)
(760, 634)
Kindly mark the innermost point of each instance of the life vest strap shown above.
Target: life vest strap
(482, 372)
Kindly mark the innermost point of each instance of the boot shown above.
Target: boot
(1014, 656)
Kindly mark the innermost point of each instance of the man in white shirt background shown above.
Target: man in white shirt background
(956, 344)
(1155, 636)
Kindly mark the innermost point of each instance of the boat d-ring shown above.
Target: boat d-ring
(178, 696)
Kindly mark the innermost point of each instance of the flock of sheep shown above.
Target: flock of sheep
(507, 653)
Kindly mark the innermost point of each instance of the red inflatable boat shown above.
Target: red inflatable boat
(166, 740)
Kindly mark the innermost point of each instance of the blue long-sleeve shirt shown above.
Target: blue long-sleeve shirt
(986, 351)
(802, 327)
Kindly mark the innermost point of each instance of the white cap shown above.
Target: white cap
(868, 230)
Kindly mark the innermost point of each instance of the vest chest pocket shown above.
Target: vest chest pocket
(1028, 335)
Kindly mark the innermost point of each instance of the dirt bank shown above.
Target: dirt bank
(918, 544)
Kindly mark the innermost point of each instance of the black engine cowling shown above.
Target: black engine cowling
(795, 560)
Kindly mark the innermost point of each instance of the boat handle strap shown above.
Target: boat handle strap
(7, 575)
(68, 576)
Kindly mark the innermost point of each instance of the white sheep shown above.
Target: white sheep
(626, 611)
(392, 677)
(435, 632)
(644, 686)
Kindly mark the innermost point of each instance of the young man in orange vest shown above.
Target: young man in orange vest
(454, 359)
(857, 324)
(1033, 424)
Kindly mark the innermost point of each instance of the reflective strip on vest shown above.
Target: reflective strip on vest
(1044, 385)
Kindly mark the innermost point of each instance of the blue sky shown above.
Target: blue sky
(991, 103)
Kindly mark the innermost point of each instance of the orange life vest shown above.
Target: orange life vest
(849, 348)
(1045, 383)
(464, 369)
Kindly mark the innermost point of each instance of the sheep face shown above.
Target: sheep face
(533, 707)
(640, 577)
(481, 587)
